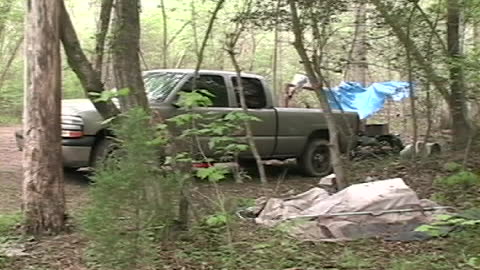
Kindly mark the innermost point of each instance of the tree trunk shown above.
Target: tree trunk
(457, 100)
(87, 75)
(43, 187)
(316, 80)
(165, 34)
(275, 89)
(125, 54)
(105, 16)
(358, 67)
(454, 96)
(438, 81)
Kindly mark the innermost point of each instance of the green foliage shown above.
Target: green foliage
(212, 174)
(109, 95)
(131, 198)
(463, 178)
(8, 222)
(474, 262)
(452, 167)
(349, 260)
(444, 223)
(196, 98)
(217, 220)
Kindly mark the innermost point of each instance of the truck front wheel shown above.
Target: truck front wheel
(102, 150)
(315, 159)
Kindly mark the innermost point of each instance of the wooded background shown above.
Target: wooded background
(360, 45)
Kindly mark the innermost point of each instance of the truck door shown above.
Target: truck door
(259, 105)
(222, 100)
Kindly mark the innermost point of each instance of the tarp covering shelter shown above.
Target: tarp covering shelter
(353, 97)
(381, 208)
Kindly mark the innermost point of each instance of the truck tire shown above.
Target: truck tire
(100, 152)
(315, 160)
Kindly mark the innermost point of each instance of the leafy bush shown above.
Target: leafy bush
(132, 199)
(463, 178)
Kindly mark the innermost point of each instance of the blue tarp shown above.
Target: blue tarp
(353, 97)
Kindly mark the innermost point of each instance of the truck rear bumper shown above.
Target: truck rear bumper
(75, 152)
(76, 156)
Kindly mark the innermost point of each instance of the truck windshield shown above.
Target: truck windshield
(160, 85)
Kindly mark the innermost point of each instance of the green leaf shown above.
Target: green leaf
(470, 222)
(443, 217)
(474, 262)
(216, 220)
(123, 92)
(213, 174)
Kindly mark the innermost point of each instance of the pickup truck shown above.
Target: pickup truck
(282, 133)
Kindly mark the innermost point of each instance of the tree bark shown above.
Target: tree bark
(358, 67)
(165, 34)
(105, 16)
(438, 81)
(316, 80)
(457, 100)
(125, 54)
(43, 187)
(452, 90)
(276, 42)
(88, 76)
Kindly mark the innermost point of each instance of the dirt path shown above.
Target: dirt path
(76, 183)
(11, 176)
(10, 171)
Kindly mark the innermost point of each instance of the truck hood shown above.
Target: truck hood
(85, 109)
(76, 106)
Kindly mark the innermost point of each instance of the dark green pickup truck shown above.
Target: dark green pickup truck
(282, 133)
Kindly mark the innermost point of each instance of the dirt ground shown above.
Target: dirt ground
(11, 176)
(67, 251)
(76, 183)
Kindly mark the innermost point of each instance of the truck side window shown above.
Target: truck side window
(254, 92)
(215, 85)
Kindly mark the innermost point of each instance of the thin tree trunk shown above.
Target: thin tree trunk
(317, 84)
(105, 16)
(358, 67)
(457, 99)
(231, 44)
(194, 27)
(275, 50)
(125, 54)
(165, 34)
(201, 50)
(248, 128)
(43, 186)
(438, 81)
(413, 111)
(78, 61)
(184, 204)
(12, 56)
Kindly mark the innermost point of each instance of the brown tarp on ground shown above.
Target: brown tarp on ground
(378, 208)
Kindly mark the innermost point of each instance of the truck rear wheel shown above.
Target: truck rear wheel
(315, 159)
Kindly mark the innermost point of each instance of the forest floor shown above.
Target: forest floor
(254, 248)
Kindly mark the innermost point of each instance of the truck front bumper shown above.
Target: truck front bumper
(76, 152)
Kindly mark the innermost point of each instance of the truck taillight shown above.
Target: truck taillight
(71, 134)
(72, 126)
